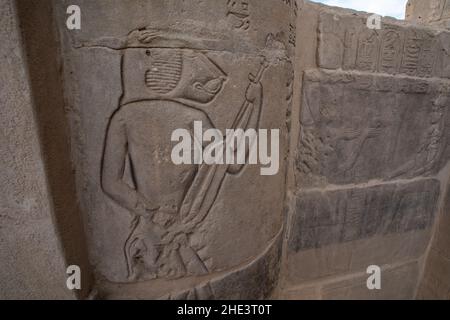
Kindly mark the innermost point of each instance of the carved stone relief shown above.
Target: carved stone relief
(169, 202)
(399, 123)
(152, 223)
(364, 185)
(334, 217)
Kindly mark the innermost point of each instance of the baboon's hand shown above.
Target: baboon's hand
(254, 90)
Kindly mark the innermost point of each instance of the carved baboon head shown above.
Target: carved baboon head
(203, 79)
(171, 66)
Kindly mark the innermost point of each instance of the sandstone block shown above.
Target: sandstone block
(339, 232)
(435, 283)
(346, 42)
(357, 127)
(331, 217)
(397, 283)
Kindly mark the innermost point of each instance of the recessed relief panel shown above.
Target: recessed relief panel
(358, 127)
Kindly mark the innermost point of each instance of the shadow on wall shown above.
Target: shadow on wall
(44, 66)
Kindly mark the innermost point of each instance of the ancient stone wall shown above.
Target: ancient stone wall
(371, 160)
(432, 12)
(33, 259)
(87, 119)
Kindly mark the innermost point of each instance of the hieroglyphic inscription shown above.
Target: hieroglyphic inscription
(239, 12)
(394, 50)
(389, 54)
(292, 33)
(367, 56)
(411, 54)
(427, 58)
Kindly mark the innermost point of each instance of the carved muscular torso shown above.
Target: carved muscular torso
(142, 131)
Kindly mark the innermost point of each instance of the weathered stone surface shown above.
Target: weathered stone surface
(33, 265)
(355, 256)
(252, 280)
(436, 280)
(367, 112)
(442, 234)
(255, 281)
(357, 127)
(340, 232)
(433, 12)
(302, 293)
(331, 217)
(374, 127)
(397, 283)
(159, 67)
(345, 42)
(435, 283)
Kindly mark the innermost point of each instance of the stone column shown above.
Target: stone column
(135, 72)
